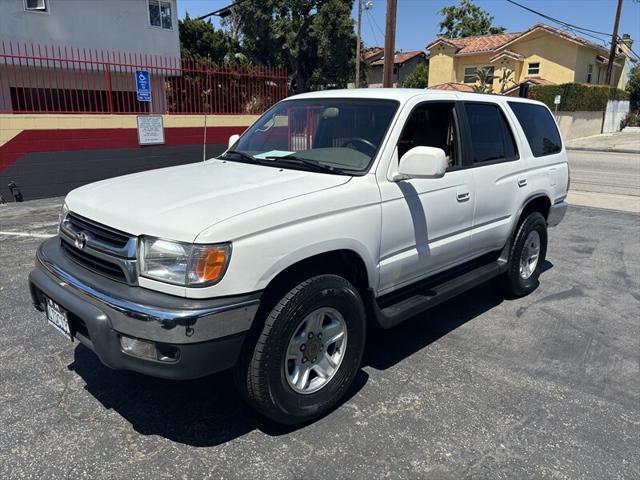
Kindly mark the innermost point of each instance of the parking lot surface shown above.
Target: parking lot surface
(546, 386)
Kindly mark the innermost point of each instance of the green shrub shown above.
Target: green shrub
(577, 97)
(631, 120)
(633, 87)
(419, 78)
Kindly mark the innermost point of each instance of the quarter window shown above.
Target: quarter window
(534, 68)
(35, 5)
(539, 127)
(160, 14)
(491, 137)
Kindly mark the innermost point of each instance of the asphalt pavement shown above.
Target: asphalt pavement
(605, 179)
(547, 386)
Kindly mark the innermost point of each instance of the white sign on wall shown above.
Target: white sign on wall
(150, 130)
(556, 100)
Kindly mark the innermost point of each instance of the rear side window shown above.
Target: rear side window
(491, 136)
(539, 127)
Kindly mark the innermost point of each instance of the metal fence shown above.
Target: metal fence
(38, 78)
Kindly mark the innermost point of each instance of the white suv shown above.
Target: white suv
(334, 212)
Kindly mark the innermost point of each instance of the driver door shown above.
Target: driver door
(426, 223)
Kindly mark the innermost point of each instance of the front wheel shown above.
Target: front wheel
(308, 352)
(527, 255)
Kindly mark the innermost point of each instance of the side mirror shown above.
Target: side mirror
(233, 139)
(422, 162)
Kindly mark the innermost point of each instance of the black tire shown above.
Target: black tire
(513, 284)
(260, 373)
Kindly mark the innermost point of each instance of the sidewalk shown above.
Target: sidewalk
(622, 142)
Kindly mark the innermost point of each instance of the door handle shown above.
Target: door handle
(463, 196)
(522, 182)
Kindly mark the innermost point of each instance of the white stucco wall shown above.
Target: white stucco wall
(579, 124)
(101, 24)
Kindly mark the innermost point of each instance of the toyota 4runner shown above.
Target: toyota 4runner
(334, 212)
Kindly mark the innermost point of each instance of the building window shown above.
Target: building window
(589, 73)
(471, 74)
(35, 5)
(160, 14)
(534, 69)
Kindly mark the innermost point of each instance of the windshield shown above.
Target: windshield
(333, 135)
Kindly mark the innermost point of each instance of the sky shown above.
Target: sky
(417, 20)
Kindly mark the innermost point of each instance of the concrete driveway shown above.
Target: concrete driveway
(547, 386)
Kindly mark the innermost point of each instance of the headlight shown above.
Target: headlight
(179, 263)
(62, 215)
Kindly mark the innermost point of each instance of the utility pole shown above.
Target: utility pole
(358, 43)
(389, 43)
(614, 44)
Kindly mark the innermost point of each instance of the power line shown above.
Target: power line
(629, 47)
(376, 24)
(561, 22)
(373, 32)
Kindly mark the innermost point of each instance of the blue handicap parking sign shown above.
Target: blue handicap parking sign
(143, 85)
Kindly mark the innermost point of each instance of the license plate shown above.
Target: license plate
(57, 318)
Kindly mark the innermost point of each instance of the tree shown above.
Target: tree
(199, 40)
(466, 20)
(419, 78)
(505, 79)
(313, 39)
(633, 88)
(484, 81)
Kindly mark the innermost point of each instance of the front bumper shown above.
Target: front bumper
(556, 213)
(206, 334)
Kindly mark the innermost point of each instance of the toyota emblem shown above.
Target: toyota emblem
(81, 240)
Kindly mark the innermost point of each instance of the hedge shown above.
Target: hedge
(577, 97)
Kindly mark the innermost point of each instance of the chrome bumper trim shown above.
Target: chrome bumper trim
(556, 213)
(158, 324)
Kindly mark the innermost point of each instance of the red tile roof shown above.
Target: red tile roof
(457, 87)
(531, 80)
(507, 53)
(372, 52)
(492, 43)
(484, 43)
(401, 57)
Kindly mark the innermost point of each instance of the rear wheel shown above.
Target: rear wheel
(308, 353)
(527, 255)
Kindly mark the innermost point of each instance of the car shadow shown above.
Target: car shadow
(203, 412)
(386, 348)
(209, 411)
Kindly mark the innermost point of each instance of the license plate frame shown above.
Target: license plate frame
(58, 319)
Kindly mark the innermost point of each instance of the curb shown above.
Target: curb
(603, 150)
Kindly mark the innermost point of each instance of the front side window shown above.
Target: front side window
(491, 136)
(534, 68)
(160, 14)
(35, 5)
(539, 127)
(332, 135)
(432, 125)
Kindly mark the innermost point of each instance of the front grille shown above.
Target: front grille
(98, 265)
(102, 233)
(99, 248)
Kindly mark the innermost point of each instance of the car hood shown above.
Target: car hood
(179, 202)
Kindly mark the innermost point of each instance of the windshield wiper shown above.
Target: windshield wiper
(307, 162)
(244, 156)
